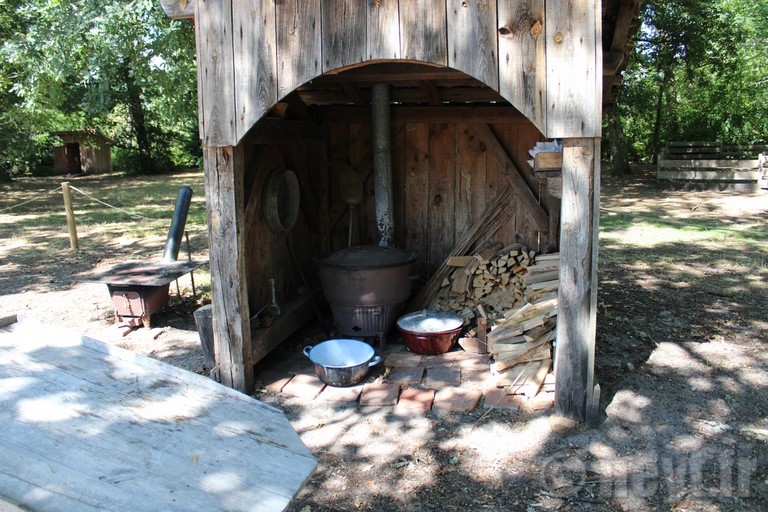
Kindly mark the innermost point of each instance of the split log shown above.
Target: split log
(536, 353)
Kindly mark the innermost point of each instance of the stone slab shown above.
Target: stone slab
(438, 378)
(384, 393)
(403, 359)
(406, 375)
(457, 400)
(416, 400)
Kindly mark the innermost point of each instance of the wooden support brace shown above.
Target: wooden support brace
(514, 177)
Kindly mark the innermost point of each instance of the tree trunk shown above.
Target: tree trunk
(136, 109)
(618, 144)
(656, 142)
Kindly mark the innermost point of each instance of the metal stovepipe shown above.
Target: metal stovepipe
(382, 164)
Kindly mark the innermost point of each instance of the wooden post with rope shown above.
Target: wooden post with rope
(70, 212)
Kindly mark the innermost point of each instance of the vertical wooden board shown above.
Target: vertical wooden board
(224, 175)
(344, 33)
(441, 193)
(471, 174)
(319, 168)
(574, 69)
(258, 236)
(255, 61)
(338, 149)
(522, 57)
(423, 32)
(216, 72)
(398, 183)
(472, 41)
(417, 157)
(299, 48)
(383, 36)
(578, 278)
(359, 158)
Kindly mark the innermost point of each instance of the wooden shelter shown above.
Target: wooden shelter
(83, 151)
(472, 84)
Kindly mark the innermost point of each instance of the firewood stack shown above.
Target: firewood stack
(514, 292)
(491, 280)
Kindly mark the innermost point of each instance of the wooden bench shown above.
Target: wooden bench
(712, 162)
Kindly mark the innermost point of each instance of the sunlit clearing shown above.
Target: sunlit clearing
(647, 235)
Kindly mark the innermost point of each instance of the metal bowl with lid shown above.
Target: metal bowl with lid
(429, 331)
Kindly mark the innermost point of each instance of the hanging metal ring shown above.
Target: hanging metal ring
(281, 198)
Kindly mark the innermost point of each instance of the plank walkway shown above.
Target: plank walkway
(88, 426)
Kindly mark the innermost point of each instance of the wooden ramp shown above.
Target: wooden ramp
(88, 426)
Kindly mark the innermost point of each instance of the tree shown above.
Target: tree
(699, 72)
(123, 68)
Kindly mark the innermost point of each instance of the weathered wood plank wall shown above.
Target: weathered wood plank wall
(447, 179)
(472, 41)
(255, 63)
(268, 254)
(522, 57)
(573, 37)
(549, 69)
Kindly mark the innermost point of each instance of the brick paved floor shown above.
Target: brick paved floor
(453, 383)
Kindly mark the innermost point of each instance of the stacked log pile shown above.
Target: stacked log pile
(490, 280)
(512, 291)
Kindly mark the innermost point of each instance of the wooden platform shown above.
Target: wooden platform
(88, 426)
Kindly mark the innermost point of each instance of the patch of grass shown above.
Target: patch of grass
(128, 209)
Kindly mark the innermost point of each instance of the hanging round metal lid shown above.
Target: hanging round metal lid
(367, 256)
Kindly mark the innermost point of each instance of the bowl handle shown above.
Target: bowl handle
(306, 350)
(374, 361)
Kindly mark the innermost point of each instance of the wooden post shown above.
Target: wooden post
(224, 197)
(575, 392)
(70, 212)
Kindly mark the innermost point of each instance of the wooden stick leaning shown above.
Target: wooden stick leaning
(496, 213)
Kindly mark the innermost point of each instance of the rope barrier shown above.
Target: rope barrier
(684, 224)
(136, 215)
(31, 200)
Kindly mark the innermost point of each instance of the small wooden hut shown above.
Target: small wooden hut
(82, 152)
(472, 86)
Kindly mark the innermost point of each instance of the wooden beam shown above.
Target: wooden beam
(426, 114)
(577, 296)
(353, 91)
(430, 91)
(179, 9)
(224, 189)
(625, 19)
(413, 94)
(278, 131)
(611, 62)
(515, 178)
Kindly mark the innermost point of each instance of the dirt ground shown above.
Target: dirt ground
(681, 360)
